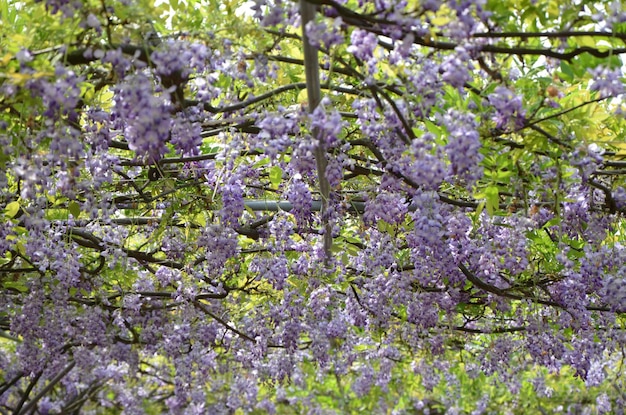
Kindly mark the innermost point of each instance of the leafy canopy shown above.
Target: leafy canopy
(316, 207)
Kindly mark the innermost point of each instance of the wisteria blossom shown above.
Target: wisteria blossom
(319, 207)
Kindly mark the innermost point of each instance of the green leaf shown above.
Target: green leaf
(492, 199)
(15, 285)
(74, 208)
(337, 247)
(12, 208)
(504, 176)
(249, 210)
(197, 219)
(263, 162)
(276, 175)
(479, 210)
(552, 222)
(587, 41)
(433, 128)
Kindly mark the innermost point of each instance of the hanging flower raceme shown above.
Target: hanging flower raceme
(607, 81)
(180, 58)
(142, 116)
(509, 109)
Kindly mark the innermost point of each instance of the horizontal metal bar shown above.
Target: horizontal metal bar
(275, 206)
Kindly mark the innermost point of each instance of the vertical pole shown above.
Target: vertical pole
(311, 68)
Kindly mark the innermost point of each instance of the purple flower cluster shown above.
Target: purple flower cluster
(323, 33)
(614, 15)
(455, 69)
(142, 116)
(463, 146)
(101, 169)
(303, 160)
(263, 70)
(497, 355)
(390, 207)
(402, 49)
(205, 88)
(334, 173)
(327, 123)
(175, 246)
(509, 109)
(603, 404)
(429, 250)
(576, 212)
(274, 12)
(97, 133)
(276, 133)
(120, 63)
(369, 119)
(619, 195)
(218, 244)
(497, 248)
(423, 311)
(7, 237)
(93, 22)
(67, 7)
(465, 23)
(378, 256)
(425, 86)
(180, 58)
(422, 164)
(571, 292)
(60, 97)
(546, 348)
(363, 44)
(273, 270)
(459, 228)
(299, 195)
(614, 290)
(232, 192)
(167, 276)
(186, 135)
(607, 81)
(151, 305)
(588, 160)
